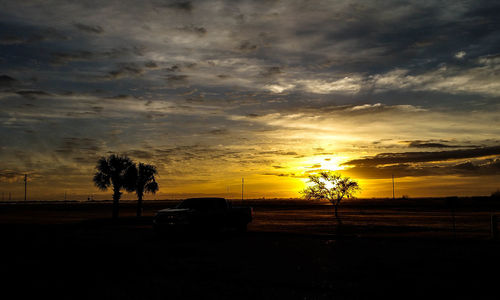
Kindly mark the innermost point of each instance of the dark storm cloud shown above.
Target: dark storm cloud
(142, 154)
(468, 168)
(222, 131)
(291, 174)
(199, 30)
(12, 40)
(59, 57)
(177, 78)
(428, 144)
(186, 6)
(271, 72)
(125, 70)
(364, 38)
(32, 94)
(120, 97)
(436, 144)
(404, 33)
(417, 157)
(278, 174)
(113, 53)
(71, 145)
(7, 81)
(247, 46)
(10, 175)
(96, 29)
(15, 33)
(176, 81)
(173, 68)
(200, 153)
(268, 77)
(150, 64)
(278, 152)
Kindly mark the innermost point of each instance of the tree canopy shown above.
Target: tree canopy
(145, 182)
(331, 186)
(116, 171)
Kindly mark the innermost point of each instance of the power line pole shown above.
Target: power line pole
(25, 185)
(242, 184)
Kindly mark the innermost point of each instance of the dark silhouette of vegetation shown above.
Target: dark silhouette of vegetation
(496, 195)
(331, 186)
(453, 203)
(116, 171)
(145, 182)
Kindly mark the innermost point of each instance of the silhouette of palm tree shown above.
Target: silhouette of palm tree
(144, 183)
(118, 172)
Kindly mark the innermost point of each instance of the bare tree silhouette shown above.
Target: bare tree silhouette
(331, 186)
(118, 172)
(145, 182)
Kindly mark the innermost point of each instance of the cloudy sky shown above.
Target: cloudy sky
(213, 91)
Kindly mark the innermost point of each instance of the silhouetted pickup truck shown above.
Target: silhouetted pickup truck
(203, 214)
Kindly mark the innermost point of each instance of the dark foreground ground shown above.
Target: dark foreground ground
(73, 251)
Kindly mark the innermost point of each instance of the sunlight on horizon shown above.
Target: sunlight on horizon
(267, 91)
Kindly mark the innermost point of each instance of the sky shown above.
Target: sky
(211, 92)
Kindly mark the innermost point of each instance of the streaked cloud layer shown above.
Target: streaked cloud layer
(212, 91)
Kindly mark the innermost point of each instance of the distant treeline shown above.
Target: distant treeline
(480, 202)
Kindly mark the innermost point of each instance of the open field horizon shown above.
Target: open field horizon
(113, 110)
(405, 217)
(383, 201)
(291, 251)
(37, 191)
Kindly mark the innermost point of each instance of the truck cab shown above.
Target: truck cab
(203, 214)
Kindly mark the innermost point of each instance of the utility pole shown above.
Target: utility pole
(393, 187)
(25, 185)
(242, 184)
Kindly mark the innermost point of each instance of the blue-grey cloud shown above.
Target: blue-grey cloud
(249, 82)
(89, 28)
(7, 81)
(418, 157)
(489, 167)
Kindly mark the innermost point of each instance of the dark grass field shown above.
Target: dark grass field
(293, 250)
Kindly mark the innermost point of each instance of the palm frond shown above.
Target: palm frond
(151, 187)
(102, 181)
(146, 181)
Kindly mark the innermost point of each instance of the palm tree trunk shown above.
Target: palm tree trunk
(139, 205)
(116, 201)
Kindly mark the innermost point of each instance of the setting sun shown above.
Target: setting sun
(209, 95)
(236, 149)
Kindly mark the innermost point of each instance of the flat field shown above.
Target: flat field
(292, 250)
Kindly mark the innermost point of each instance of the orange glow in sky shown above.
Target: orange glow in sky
(267, 91)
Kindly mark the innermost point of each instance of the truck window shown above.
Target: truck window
(219, 204)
